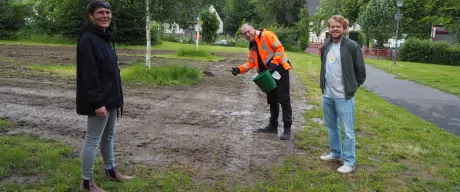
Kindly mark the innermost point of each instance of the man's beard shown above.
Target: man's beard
(337, 38)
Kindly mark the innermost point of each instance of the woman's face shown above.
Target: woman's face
(101, 17)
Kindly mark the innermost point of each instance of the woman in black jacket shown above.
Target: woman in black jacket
(99, 92)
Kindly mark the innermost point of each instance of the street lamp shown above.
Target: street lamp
(399, 4)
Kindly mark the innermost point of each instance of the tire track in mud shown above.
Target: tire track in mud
(205, 128)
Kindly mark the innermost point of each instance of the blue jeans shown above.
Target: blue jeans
(343, 111)
(100, 130)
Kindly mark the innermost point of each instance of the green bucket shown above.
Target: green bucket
(265, 81)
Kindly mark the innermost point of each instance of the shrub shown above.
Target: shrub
(425, 51)
(356, 36)
(155, 33)
(170, 38)
(210, 25)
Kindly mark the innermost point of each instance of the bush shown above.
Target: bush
(11, 18)
(210, 25)
(425, 51)
(28, 35)
(240, 42)
(170, 38)
(303, 28)
(155, 33)
(356, 36)
(288, 37)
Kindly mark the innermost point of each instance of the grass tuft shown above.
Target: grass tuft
(55, 69)
(193, 52)
(162, 75)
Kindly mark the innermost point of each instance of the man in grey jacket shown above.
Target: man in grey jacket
(342, 72)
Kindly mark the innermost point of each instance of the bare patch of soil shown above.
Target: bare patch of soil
(206, 128)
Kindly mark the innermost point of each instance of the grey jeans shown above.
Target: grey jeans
(99, 130)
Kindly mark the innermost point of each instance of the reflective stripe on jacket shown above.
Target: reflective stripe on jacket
(271, 51)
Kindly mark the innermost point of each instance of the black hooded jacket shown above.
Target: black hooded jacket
(98, 75)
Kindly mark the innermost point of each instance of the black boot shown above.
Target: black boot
(270, 128)
(287, 134)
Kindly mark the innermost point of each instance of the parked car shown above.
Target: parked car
(221, 42)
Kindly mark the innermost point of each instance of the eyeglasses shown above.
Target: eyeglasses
(245, 33)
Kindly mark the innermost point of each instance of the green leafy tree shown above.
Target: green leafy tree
(328, 8)
(377, 20)
(237, 11)
(42, 16)
(70, 16)
(303, 28)
(210, 25)
(450, 17)
(11, 18)
(350, 10)
(318, 23)
(269, 12)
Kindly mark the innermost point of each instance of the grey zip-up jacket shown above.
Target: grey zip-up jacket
(353, 68)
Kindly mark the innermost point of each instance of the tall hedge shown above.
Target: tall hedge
(425, 51)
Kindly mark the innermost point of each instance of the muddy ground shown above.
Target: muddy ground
(204, 128)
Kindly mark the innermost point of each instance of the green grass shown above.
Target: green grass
(396, 151)
(442, 77)
(170, 75)
(163, 46)
(32, 38)
(33, 164)
(165, 75)
(4, 125)
(187, 54)
(64, 71)
(178, 46)
(192, 52)
(208, 58)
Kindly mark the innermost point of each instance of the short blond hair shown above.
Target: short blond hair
(340, 19)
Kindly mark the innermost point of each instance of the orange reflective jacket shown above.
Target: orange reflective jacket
(271, 51)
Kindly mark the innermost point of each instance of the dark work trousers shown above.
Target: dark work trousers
(281, 95)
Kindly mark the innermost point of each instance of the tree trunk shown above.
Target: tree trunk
(147, 34)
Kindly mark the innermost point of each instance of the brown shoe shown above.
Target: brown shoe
(89, 185)
(117, 176)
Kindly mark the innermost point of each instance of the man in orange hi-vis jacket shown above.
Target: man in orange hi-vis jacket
(267, 53)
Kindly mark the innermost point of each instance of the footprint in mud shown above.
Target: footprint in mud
(208, 74)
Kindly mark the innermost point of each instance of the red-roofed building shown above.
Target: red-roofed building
(439, 33)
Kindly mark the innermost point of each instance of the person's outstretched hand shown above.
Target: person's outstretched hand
(235, 71)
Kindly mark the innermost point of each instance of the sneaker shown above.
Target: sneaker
(329, 157)
(346, 169)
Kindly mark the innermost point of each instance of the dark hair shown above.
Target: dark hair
(95, 4)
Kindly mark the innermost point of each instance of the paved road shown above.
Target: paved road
(429, 104)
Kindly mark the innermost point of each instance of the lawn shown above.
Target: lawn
(396, 151)
(442, 77)
(164, 46)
